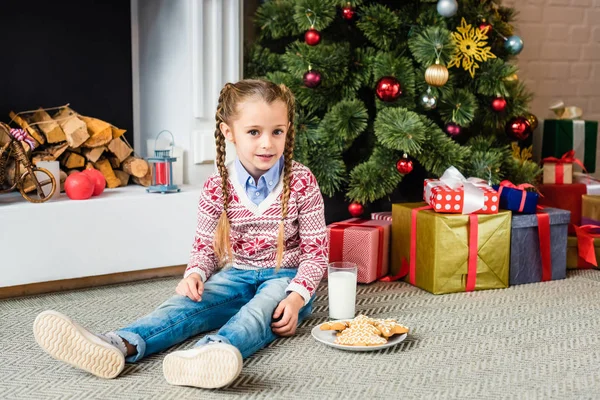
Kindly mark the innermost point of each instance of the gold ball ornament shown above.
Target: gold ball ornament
(436, 75)
(533, 121)
(512, 78)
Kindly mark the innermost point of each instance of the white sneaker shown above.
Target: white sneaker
(208, 366)
(67, 341)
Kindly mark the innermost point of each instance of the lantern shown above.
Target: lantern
(162, 169)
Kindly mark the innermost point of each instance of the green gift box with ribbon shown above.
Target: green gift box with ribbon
(449, 253)
(563, 135)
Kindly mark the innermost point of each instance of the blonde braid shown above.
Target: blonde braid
(222, 244)
(288, 155)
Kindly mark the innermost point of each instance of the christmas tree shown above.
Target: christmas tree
(383, 87)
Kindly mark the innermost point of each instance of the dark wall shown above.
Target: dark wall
(67, 51)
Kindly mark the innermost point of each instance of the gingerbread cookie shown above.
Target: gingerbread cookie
(364, 331)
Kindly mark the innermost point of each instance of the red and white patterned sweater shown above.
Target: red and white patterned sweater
(254, 229)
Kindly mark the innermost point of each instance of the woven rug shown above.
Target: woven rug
(529, 341)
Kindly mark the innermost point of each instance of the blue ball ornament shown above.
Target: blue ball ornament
(447, 8)
(513, 44)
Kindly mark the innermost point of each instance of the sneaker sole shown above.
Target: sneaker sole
(66, 341)
(214, 366)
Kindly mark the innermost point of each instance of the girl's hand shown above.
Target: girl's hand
(192, 287)
(287, 310)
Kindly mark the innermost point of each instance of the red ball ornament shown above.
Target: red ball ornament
(453, 129)
(356, 209)
(404, 165)
(348, 13)
(388, 89)
(499, 104)
(98, 180)
(312, 37)
(486, 28)
(79, 186)
(312, 79)
(518, 128)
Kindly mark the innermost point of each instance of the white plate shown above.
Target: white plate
(328, 338)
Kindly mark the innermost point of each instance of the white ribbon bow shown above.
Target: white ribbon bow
(473, 196)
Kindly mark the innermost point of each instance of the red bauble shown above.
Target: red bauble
(485, 28)
(312, 79)
(312, 37)
(499, 104)
(348, 13)
(518, 128)
(356, 209)
(388, 88)
(98, 180)
(404, 166)
(453, 129)
(79, 186)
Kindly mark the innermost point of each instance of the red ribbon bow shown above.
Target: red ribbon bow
(521, 187)
(585, 243)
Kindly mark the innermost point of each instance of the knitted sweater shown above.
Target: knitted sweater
(254, 229)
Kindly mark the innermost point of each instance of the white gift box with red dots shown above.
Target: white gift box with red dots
(444, 199)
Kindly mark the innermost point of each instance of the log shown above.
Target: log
(116, 132)
(114, 162)
(111, 180)
(73, 160)
(50, 153)
(63, 178)
(51, 128)
(135, 166)
(93, 154)
(123, 177)
(120, 149)
(100, 132)
(74, 128)
(32, 130)
(146, 180)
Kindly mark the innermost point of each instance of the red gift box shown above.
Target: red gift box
(566, 197)
(452, 193)
(363, 242)
(382, 216)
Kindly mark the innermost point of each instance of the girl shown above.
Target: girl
(262, 217)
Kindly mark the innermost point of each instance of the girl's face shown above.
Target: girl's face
(258, 132)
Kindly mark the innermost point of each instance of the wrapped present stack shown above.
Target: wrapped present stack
(569, 145)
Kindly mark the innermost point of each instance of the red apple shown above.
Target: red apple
(98, 179)
(79, 186)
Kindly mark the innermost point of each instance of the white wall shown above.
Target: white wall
(186, 51)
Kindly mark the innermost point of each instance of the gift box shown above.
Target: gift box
(517, 198)
(583, 249)
(363, 242)
(447, 253)
(384, 216)
(592, 184)
(565, 197)
(562, 135)
(557, 172)
(538, 246)
(590, 210)
(452, 193)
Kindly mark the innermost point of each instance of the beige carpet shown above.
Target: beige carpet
(530, 341)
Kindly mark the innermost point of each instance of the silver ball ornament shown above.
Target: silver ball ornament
(513, 44)
(447, 8)
(428, 101)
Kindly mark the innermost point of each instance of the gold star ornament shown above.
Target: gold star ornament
(471, 47)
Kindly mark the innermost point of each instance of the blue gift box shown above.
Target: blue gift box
(510, 199)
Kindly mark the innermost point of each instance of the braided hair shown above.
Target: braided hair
(229, 98)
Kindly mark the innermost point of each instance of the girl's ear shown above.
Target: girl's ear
(227, 132)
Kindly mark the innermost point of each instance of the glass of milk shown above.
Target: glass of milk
(341, 278)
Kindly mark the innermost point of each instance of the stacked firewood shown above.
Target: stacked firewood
(79, 142)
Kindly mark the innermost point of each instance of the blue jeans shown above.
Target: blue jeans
(239, 302)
